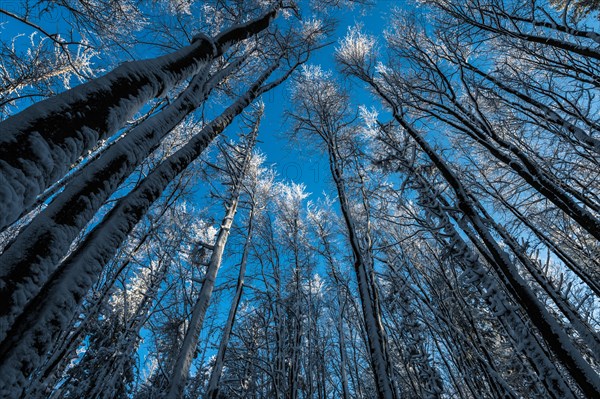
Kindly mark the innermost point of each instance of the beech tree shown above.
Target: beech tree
(322, 111)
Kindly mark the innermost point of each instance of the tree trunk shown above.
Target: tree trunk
(49, 312)
(32, 256)
(370, 309)
(183, 363)
(212, 392)
(35, 149)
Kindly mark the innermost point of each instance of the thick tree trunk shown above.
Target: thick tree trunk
(32, 256)
(49, 312)
(38, 145)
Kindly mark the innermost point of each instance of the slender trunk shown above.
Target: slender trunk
(327, 251)
(371, 312)
(212, 392)
(343, 354)
(183, 363)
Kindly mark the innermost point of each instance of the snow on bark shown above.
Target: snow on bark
(553, 334)
(475, 273)
(27, 262)
(50, 311)
(212, 392)
(38, 145)
(190, 342)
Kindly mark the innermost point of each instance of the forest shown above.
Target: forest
(300, 199)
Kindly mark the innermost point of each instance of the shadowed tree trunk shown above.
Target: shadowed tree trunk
(35, 330)
(38, 145)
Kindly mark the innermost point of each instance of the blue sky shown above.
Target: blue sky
(299, 162)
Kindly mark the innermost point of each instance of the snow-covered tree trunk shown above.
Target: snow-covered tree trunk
(212, 391)
(57, 359)
(371, 312)
(340, 301)
(186, 353)
(556, 338)
(38, 145)
(33, 255)
(475, 273)
(49, 312)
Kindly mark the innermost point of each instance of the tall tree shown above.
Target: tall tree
(321, 110)
(237, 163)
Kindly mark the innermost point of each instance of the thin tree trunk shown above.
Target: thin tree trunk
(371, 312)
(183, 363)
(212, 392)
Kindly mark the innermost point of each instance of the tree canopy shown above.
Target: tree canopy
(299, 199)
